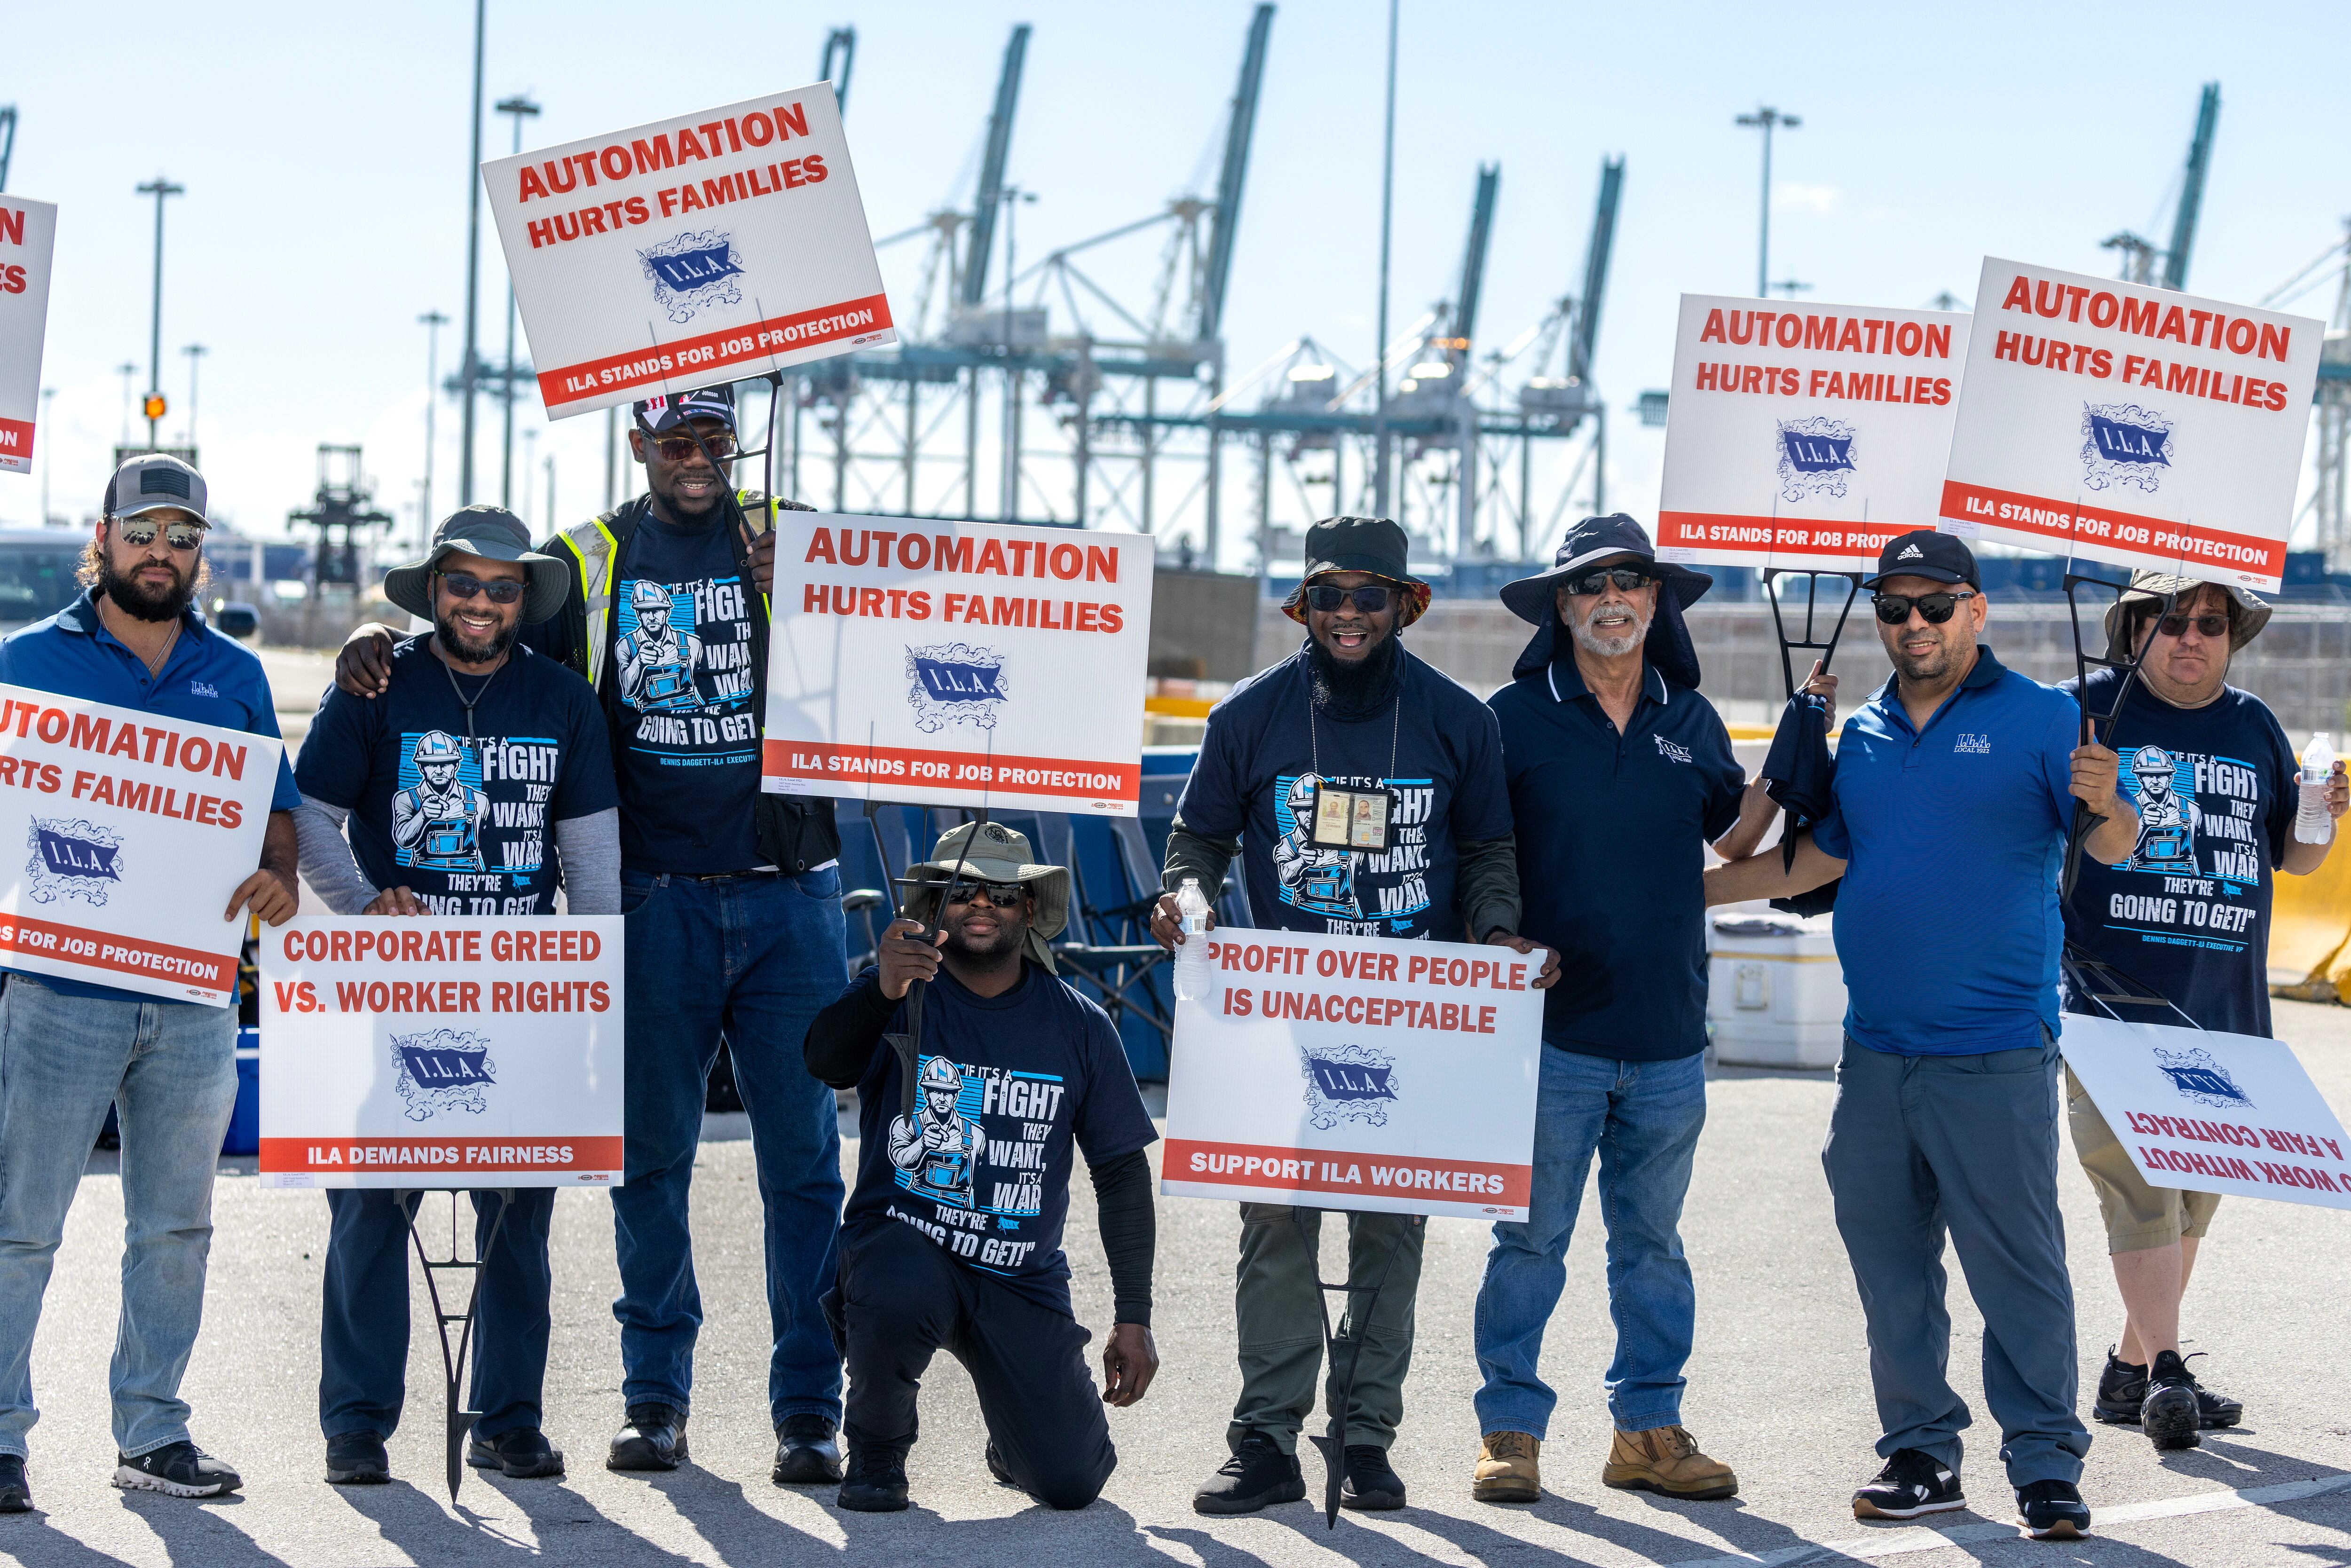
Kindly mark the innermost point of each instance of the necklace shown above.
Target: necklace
(155, 665)
(466, 703)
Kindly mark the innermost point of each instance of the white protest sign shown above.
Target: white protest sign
(2212, 1113)
(705, 248)
(957, 663)
(456, 1052)
(1354, 1072)
(135, 829)
(2121, 422)
(1805, 437)
(28, 232)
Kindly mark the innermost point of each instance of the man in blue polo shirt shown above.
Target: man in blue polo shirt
(1957, 778)
(69, 1050)
(1613, 762)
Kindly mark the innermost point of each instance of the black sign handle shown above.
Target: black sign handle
(2085, 820)
(1810, 640)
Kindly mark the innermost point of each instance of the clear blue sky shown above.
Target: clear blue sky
(324, 150)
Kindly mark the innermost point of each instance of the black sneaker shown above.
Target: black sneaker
(2211, 1409)
(2122, 1389)
(1257, 1474)
(654, 1438)
(357, 1459)
(522, 1454)
(175, 1470)
(1912, 1483)
(16, 1492)
(2168, 1415)
(877, 1481)
(996, 1467)
(1369, 1482)
(2054, 1510)
(807, 1452)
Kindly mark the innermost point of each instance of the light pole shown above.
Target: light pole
(126, 369)
(1765, 118)
(159, 188)
(1380, 349)
(195, 351)
(473, 266)
(520, 109)
(48, 446)
(1013, 196)
(431, 321)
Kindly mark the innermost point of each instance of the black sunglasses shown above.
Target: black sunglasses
(2176, 624)
(1371, 598)
(461, 586)
(999, 894)
(1623, 578)
(1894, 609)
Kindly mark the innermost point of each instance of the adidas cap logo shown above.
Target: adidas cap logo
(1910, 552)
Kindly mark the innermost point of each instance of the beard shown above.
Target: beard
(472, 650)
(142, 602)
(1010, 939)
(1356, 689)
(1608, 647)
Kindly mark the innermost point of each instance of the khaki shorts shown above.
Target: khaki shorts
(2137, 1215)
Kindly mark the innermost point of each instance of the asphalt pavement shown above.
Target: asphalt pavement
(1778, 1389)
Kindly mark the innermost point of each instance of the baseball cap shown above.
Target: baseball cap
(1924, 552)
(663, 411)
(152, 481)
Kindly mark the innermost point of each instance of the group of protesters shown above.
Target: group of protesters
(1576, 816)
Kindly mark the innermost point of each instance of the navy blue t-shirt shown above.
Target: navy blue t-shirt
(466, 825)
(1004, 1085)
(2189, 912)
(1260, 761)
(1612, 835)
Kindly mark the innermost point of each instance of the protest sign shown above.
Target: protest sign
(2210, 1112)
(1353, 1073)
(957, 663)
(1805, 437)
(28, 232)
(135, 829)
(463, 1052)
(705, 248)
(2124, 424)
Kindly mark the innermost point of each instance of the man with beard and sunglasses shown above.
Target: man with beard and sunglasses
(475, 784)
(733, 899)
(1959, 778)
(1353, 720)
(69, 1048)
(975, 1096)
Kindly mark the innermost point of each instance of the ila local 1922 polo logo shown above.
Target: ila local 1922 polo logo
(1816, 457)
(693, 272)
(955, 684)
(72, 858)
(2199, 1077)
(1352, 1084)
(444, 1069)
(2124, 444)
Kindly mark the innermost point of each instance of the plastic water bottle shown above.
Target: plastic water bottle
(1196, 973)
(2312, 825)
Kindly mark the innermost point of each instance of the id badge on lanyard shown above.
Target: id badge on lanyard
(1351, 818)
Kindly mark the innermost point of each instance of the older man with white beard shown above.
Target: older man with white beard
(1620, 774)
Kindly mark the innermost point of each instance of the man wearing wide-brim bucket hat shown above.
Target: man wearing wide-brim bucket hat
(980, 1077)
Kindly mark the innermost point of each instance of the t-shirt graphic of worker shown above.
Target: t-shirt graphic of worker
(938, 1148)
(1322, 880)
(436, 820)
(2176, 834)
(682, 654)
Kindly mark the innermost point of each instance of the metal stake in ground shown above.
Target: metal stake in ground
(460, 1421)
(1349, 1346)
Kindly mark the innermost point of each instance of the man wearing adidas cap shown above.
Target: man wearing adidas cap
(1956, 779)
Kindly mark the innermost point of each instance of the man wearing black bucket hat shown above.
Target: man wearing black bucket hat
(479, 782)
(1350, 712)
(1611, 753)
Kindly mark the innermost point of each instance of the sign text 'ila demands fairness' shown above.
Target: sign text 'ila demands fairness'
(130, 832)
(27, 238)
(705, 248)
(957, 663)
(407, 1052)
(1354, 1072)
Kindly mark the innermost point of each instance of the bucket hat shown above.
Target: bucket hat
(1536, 599)
(494, 534)
(1376, 545)
(990, 852)
(2247, 614)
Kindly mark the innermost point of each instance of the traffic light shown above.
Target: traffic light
(153, 407)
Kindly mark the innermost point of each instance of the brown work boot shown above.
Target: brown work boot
(1666, 1459)
(1507, 1468)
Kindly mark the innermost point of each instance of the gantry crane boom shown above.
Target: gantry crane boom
(1595, 270)
(1226, 219)
(990, 194)
(1473, 257)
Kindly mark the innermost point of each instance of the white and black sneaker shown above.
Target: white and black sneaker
(1912, 1483)
(2052, 1510)
(176, 1470)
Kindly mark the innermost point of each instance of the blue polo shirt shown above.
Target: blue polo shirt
(1953, 838)
(208, 679)
(1612, 830)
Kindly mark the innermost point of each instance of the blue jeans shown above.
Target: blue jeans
(1643, 1118)
(169, 1067)
(754, 957)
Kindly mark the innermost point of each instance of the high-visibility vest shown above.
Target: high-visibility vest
(592, 545)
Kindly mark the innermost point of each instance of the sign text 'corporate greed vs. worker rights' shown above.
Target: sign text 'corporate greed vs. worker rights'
(700, 250)
(28, 232)
(1805, 438)
(957, 663)
(1353, 1073)
(408, 1052)
(2126, 423)
(126, 834)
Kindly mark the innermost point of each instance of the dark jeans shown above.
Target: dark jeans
(756, 958)
(363, 1311)
(903, 1300)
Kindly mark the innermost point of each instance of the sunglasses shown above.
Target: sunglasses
(997, 895)
(1371, 598)
(179, 536)
(461, 586)
(1894, 609)
(2176, 624)
(678, 448)
(1623, 578)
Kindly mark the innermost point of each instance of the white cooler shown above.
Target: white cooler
(1775, 991)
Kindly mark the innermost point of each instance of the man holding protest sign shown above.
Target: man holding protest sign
(971, 1106)
(1611, 754)
(68, 1048)
(733, 899)
(479, 780)
(1364, 791)
(2185, 913)
(1946, 1114)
